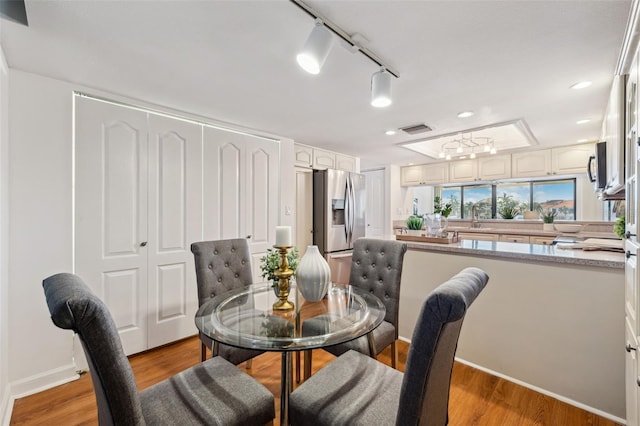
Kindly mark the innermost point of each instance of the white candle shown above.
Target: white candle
(283, 236)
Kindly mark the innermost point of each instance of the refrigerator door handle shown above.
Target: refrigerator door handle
(352, 212)
(347, 210)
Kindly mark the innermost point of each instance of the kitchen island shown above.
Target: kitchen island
(550, 319)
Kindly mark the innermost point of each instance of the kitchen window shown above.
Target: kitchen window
(559, 195)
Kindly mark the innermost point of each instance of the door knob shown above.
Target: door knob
(143, 244)
(629, 348)
(628, 254)
(629, 234)
(248, 237)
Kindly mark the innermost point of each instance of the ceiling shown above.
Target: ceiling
(235, 61)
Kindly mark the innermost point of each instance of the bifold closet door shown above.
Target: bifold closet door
(110, 242)
(174, 222)
(138, 201)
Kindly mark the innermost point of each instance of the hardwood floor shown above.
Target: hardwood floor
(476, 398)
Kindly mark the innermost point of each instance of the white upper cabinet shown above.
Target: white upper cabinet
(463, 171)
(573, 159)
(303, 155)
(323, 159)
(345, 162)
(494, 167)
(426, 174)
(531, 163)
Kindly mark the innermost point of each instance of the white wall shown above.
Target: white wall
(5, 392)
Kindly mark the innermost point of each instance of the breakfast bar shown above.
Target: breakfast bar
(550, 317)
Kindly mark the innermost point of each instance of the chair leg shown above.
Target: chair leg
(394, 353)
(307, 364)
(203, 352)
(297, 366)
(249, 363)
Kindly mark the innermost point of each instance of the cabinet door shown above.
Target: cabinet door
(531, 164)
(494, 167)
(435, 174)
(346, 163)
(175, 221)
(570, 159)
(514, 238)
(411, 175)
(463, 171)
(111, 213)
(323, 159)
(303, 155)
(631, 286)
(632, 392)
(478, 236)
(547, 241)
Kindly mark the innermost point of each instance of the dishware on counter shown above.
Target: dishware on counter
(568, 227)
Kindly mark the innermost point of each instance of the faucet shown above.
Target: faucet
(475, 217)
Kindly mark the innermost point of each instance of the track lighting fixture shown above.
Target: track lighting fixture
(316, 49)
(381, 89)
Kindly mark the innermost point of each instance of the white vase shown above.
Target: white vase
(313, 275)
(547, 227)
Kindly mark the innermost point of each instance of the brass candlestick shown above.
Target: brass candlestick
(284, 274)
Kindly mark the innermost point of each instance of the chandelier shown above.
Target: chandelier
(467, 146)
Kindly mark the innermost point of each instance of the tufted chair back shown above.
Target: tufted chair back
(376, 266)
(74, 307)
(221, 266)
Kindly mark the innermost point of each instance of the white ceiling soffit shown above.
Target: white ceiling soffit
(502, 136)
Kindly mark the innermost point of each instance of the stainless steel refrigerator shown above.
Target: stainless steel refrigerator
(338, 217)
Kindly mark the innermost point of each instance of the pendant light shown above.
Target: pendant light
(316, 49)
(381, 89)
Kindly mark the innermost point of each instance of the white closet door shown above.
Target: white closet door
(262, 194)
(111, 212)
(376, 202)
(175, 221)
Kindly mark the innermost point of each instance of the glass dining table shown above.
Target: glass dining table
(244, 318)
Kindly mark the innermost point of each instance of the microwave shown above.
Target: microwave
(597, 167)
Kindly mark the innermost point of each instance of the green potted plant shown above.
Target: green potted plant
(414, 225)
(548, 216)
(508, 212)
(620, 227)
(444, 210)
(269, 264)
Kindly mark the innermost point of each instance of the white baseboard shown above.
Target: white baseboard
(6, 407)
(43, 381)
(546, 392)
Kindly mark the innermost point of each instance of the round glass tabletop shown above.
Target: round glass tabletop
(245, 318)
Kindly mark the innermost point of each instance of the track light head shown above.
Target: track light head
(381, 89)
(315, 49)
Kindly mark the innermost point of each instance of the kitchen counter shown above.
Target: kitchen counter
(527, 252)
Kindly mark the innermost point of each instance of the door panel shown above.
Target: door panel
(376, 203)
(175, 221)
(304, 209)
(111, 212)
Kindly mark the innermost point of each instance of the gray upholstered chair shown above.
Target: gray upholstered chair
(221, 266)
(376, 266)
(355, 389)
(214, 392)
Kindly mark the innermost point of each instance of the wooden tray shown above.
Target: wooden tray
(423, 239)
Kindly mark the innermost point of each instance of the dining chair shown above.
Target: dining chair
(376, 266)
(214, 392)
(356, 389)
(222, 265)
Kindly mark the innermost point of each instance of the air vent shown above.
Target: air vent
(418, 128)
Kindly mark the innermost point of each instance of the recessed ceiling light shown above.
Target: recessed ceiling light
(581, 85)
(586, 120)
(390, 132)
(465, 114)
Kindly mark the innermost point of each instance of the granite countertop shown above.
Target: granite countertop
(529, 252)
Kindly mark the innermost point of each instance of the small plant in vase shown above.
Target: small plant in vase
(508, 212)
(269, 264)
(414, 225)
(548, 216)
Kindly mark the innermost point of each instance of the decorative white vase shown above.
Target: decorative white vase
(547, 227)
(313, 275)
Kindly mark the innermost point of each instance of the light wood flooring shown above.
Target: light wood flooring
(476, 398)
